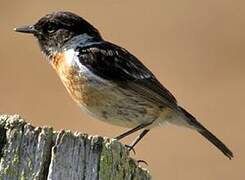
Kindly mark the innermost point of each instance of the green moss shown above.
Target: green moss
(105, 162)
(16, 159)
(30, 165)
(23, 177)
(9, 171)
(114, 162)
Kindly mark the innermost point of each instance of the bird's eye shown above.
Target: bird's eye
(51, 28)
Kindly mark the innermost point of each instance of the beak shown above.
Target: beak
(26, 29)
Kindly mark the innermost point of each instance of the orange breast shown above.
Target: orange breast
(76, 83)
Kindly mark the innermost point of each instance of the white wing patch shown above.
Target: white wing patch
(72, 59)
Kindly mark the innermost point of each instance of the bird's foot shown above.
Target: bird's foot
(130, 148)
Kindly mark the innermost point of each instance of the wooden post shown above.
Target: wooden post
(29, 153)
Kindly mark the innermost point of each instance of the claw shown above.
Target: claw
(143, 161)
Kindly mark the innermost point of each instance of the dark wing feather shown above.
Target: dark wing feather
(118, 65)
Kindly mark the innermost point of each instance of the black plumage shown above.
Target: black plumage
(116, 64)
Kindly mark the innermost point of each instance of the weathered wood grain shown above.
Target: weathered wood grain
(38, 153)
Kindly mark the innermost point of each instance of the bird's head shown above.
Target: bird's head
(55, 29)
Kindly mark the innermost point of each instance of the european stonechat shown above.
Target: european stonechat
(108, 81)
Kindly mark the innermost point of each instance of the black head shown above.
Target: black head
(55, 29)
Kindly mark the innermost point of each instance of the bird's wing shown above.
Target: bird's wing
(116, 64)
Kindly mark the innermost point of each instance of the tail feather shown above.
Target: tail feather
(207, 134)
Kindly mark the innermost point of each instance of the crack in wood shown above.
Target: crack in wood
(38, 153)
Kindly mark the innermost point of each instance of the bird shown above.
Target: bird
(107, 81)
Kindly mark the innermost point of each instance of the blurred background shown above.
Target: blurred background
(194, 47)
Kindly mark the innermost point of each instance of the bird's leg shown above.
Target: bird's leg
(130, 148)
(139, 127)
(141, 135)
(132, 145)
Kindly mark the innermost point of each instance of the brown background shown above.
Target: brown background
(194, 47)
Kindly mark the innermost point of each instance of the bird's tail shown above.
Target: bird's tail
(206, 133)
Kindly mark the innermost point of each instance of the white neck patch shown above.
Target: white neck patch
(71, 57)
